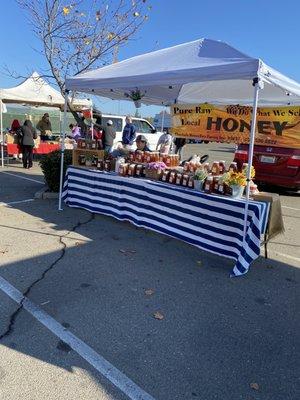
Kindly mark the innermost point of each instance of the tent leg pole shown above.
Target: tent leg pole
(62, 149)
(257, 87)
(60, 123)
(92, 123)
(163, 119)
(2, 136)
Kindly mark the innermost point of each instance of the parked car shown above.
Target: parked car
(273, 165)
(143, 127)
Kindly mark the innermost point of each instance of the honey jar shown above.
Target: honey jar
(209, 184)
(172, 177)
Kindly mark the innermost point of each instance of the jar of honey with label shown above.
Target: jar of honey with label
(191, 182)
(165, 175)
(215, 169)
(178, 180)
(131, 156)
(185, 179)
(107, 165)
(147, 157)
(222, 167)
(123, 169)
(138, 170)
(216, 179)
(131, 169)
(233, 167)
(209, 184)
(168, 160)
(206, 167)
(139, 156)
(172, 177)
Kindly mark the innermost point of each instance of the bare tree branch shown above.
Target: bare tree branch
(79, 35)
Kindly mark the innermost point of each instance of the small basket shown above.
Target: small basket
(154, 174)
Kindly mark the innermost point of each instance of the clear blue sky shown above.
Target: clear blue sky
(269, 29)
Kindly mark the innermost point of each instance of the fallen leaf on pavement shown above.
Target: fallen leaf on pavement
(158, 315)
(127, 252)
(199, 262)
(254, 386)
(149, 292)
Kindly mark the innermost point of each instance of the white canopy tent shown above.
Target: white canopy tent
(36, 91)
(200, 71)
(196, 72)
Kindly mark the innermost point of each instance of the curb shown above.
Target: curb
(44, 194)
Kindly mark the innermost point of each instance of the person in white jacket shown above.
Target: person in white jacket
(165, 143)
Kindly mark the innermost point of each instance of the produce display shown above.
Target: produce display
(214, 178)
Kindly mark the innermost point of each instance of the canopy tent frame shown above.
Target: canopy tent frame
(229, 64)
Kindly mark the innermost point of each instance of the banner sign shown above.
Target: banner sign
(275, 126)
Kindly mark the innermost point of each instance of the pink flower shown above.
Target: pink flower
(157, 165)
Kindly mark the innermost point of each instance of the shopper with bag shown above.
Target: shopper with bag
(28, 134)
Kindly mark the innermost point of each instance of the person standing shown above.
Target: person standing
(28, 134)
(110, 135)
(44, 126)
(15, 131)
(129, 132)
(165, 142)
(75, 132)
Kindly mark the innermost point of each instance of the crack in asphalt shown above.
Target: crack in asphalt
(14, 315)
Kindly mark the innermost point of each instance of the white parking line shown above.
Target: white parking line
(116, 377)
(16, 202)
(291, 208)
(23, 177)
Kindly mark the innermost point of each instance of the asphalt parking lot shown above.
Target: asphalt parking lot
(161, 318)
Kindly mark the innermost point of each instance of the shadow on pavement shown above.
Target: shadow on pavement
(217, 335)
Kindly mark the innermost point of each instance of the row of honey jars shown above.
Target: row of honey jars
(132, 169)
(214, 184)
(171, 160)
(178, 178)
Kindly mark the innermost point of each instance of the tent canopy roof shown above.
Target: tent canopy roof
(34, 90)
(200, 71)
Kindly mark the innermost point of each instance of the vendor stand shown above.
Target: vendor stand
(43, 148)
(196, 72)
(34, 91)
(209, 222)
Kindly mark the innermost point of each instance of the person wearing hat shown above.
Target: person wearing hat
(142, 143)
(110, 135)
(44, 126)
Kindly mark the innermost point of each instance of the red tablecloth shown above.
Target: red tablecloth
(44, 148)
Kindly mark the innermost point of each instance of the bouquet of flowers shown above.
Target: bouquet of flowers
(235, 179)
(245, 171)
(156, 166)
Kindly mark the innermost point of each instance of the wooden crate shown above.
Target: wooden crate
(77, 152)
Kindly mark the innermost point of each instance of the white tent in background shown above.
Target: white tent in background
(196, 72)
(35, 91)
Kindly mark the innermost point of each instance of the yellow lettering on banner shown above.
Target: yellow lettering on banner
(276, 126)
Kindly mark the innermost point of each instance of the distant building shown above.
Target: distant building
(161, 121)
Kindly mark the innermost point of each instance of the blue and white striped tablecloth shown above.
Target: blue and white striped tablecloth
(210, 222)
